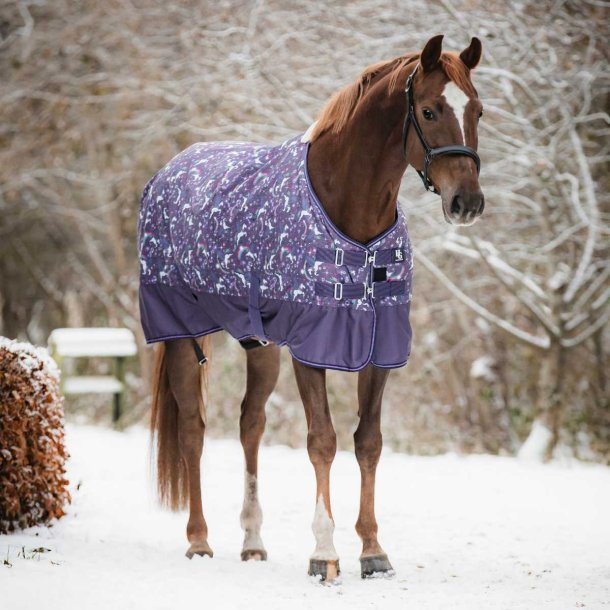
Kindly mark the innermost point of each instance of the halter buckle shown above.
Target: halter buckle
(408, 83)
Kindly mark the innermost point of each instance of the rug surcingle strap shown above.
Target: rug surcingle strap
(252, 343)
(201, 357)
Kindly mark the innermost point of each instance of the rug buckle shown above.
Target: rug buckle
(370, 258)
(368, 291)
(339, 254)
(338, 291)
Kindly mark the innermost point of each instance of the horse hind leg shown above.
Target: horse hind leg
(187, 385)
(263, 365)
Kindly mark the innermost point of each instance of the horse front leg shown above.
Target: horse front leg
(263, 370)
(368, 443)
(321, 446)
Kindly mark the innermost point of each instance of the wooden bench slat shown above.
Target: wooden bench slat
(91, 342)
(103, 384)
(93, 351)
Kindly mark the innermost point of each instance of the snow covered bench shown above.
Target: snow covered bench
(117, 343)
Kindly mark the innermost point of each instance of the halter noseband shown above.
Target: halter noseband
(430, 153)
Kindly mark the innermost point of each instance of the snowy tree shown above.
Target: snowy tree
(547, 186)
(95, 97)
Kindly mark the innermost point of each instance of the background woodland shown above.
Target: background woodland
(510, 316)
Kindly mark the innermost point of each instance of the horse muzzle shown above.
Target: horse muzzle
(464, 208)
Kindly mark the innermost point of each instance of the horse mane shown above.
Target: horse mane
(341, 106)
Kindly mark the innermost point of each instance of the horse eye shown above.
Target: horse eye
(428, 114)
(480, 114)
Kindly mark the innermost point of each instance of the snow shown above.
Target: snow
(80, 342)
(535, 445)
(464, 533)
(31, 357)
(482, 368)
(559, 278)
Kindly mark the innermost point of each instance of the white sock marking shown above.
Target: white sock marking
(457, 99)
(323, 529)
(251, 517)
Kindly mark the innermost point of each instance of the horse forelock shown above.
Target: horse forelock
(457, 72)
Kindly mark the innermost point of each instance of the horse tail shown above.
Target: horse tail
(172, 480)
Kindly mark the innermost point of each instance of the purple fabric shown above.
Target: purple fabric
(232, 236)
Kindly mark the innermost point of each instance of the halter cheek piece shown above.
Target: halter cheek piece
(430, 153)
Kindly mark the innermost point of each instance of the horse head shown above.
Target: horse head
(443, 111)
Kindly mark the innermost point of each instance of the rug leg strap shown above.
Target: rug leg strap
(252, 343)
(201, 357)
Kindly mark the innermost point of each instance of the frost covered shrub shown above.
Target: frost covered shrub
(33, 485)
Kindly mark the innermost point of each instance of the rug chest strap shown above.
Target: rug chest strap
(378, 290)
(361, 258)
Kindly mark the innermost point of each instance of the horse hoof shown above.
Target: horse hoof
(328, 570)
(376, 565)
(254, 555)
(199, 548)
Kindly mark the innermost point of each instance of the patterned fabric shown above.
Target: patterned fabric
(232, 235)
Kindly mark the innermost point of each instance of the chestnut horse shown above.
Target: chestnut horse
(364, 139)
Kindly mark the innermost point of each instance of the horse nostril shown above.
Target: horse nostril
(481, 205)
(457, 206)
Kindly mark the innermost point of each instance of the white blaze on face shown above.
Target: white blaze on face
(323, 529)
(457, 99)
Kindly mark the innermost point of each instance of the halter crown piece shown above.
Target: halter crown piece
(430, 153)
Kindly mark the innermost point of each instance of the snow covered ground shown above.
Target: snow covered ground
(470, 533)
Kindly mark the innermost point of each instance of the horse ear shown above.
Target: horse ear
(432, 53)
(472, 55)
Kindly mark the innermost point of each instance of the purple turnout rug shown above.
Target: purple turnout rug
(232, 236)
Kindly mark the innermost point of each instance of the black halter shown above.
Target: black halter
(430, 153)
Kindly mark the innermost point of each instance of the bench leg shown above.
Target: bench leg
(117, 408)
(119, 398)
